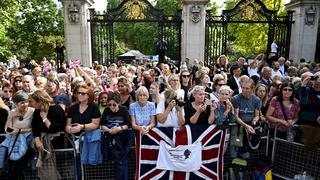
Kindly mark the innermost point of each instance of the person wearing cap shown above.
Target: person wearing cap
(20, 119)
(59, 98)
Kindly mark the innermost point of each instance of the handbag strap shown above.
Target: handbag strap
(283, 111)
(14, 143)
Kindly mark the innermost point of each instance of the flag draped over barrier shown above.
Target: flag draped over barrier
(210, 138)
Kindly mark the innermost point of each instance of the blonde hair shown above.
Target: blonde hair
(43, 99)
(196, 89)
(3, 105)
(170, 94)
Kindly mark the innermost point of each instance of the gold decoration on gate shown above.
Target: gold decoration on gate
(250, 10)
(135, 9)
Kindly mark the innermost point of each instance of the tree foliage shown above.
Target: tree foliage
(33, 29)
(250, 39)
(140, 36)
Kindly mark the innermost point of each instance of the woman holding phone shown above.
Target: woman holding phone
(85, 114)
(19, 119)
(199, 111)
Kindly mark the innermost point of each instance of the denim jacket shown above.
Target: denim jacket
(91, 149)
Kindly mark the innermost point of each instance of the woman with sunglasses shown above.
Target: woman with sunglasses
(283, 110)
(48, 120)
(20, 119)
(17, 83)
(85, 114)
(186, 82)
(218, 81)
(115, 122)
(8, 92)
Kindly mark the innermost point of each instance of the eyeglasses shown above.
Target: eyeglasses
(113, 105)
(287, 89)
(185, 76)
(221, 84)
(6, 91)
(82, 93)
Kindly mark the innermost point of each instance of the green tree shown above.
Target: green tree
(250, 39)
(8, 11)
(35, 29)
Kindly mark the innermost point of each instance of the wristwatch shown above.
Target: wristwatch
(45, 119)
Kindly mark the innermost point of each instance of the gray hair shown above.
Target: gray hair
(226, 88)
(142, 90)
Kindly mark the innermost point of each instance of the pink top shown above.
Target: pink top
(277, 113)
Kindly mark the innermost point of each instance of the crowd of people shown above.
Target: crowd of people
(38, 102)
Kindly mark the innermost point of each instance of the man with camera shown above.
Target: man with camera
(170, 113)
(310, 100)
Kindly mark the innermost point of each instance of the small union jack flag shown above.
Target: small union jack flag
(74, 63)
(46, 66)
(212, 150)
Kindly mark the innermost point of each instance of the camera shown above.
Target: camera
(178, 102)
(313, 78)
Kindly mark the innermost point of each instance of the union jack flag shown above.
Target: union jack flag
(211, 138)
(74, 63)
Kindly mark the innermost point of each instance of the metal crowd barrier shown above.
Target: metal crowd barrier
(289, 159)
(106, 169)
(292, 158)
(65, 164)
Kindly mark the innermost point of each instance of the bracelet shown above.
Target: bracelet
(84, 127)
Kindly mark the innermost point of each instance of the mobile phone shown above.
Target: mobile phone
(9, 130)
(74, 125)
(208, 102)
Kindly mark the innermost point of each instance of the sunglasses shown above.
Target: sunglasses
(17, 80)
(287, 89)
(185, 76)
(113, 105)
(82, 93)
(7, 91)
(221, 84)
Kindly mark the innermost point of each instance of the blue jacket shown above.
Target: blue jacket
(21, 146)
(91, 148)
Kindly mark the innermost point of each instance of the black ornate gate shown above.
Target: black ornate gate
(246, 11)
(102, 29)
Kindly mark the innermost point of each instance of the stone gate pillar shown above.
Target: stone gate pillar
(193, 30)
(305, 28)
(77, 30)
